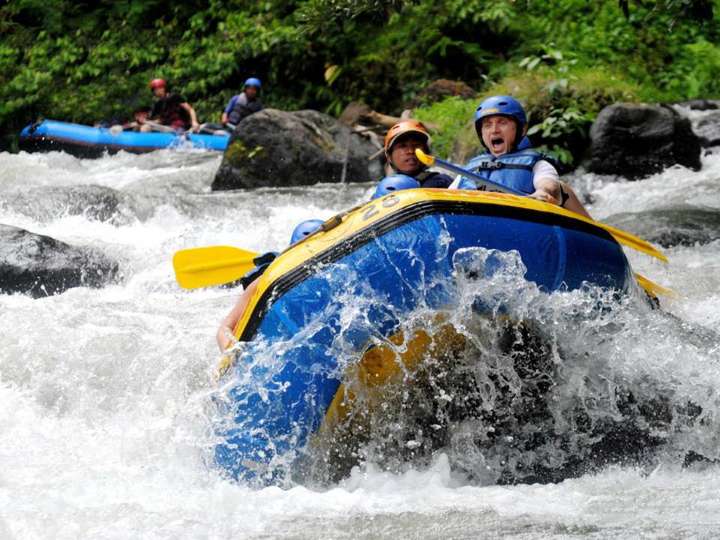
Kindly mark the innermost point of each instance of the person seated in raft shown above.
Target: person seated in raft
(242, 105)
(394, 182)
(501, 125)
(171, 112)
(401, 141)
(140, 116)
(225, 337)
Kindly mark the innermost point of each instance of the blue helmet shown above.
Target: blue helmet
(252, 81)
(305, 228)
(504, 105)
(394, 182)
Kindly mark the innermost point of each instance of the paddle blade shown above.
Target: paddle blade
(212, 265)
(652, 288)
(424, 158)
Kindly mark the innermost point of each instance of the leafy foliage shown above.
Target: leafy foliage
(566, 59)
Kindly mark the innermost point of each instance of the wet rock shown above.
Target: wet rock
(682, 225)
(278, 148)
(701, 104)
(707, 129)
(40, 266)
(96, 203)
(635, 140)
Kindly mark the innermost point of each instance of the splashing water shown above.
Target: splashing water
(104, 394)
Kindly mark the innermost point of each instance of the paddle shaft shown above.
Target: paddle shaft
(620, 236)
(451, 167)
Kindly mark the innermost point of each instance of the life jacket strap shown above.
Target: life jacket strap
(495, 165)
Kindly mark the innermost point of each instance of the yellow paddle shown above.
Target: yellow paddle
(213, 265)
(654, 289)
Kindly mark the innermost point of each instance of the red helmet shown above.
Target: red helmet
(157, 83)
(403, 127)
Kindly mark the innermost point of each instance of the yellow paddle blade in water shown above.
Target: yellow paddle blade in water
(652, 288)
(212, 265)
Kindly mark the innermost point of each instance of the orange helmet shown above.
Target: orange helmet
(157, 83)
(403, 127)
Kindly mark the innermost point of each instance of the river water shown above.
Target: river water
(104, 393)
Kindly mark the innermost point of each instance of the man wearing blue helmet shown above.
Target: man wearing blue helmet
(394, 182)
(501, 125)
(244, 104)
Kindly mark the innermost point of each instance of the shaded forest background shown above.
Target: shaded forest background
(566, 59)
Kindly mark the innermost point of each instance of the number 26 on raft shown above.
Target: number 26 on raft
(387, 202)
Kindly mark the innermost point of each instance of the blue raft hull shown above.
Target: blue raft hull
(87, 141)
(299, 340)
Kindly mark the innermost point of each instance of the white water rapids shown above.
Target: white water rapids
(103, 392)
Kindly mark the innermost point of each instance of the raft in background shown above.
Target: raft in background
(87, 141)
(385, 259)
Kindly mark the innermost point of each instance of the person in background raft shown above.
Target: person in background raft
(240, 106)
(140, 116)
(225, 337)
(244, 104)
(170, 110)
(501, 125)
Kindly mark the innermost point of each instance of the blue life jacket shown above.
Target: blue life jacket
(513, 170)
(433, 179)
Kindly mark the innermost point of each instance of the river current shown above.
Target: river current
(103, 392)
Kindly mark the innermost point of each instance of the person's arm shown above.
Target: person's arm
(193, 116)
(549, 188)
(228, 109)
(225, 337)
(559, 193)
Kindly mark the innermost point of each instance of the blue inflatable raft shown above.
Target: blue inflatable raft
(87, 141)
(326, 303)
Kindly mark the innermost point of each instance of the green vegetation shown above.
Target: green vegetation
(566, 59)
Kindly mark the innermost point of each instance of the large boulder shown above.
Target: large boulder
(38, 265)
(635, 140)
(678, 225)
(278, 148)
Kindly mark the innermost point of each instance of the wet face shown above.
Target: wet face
(160, 92)
(499, 133)
(402, 154)
(251, 92)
